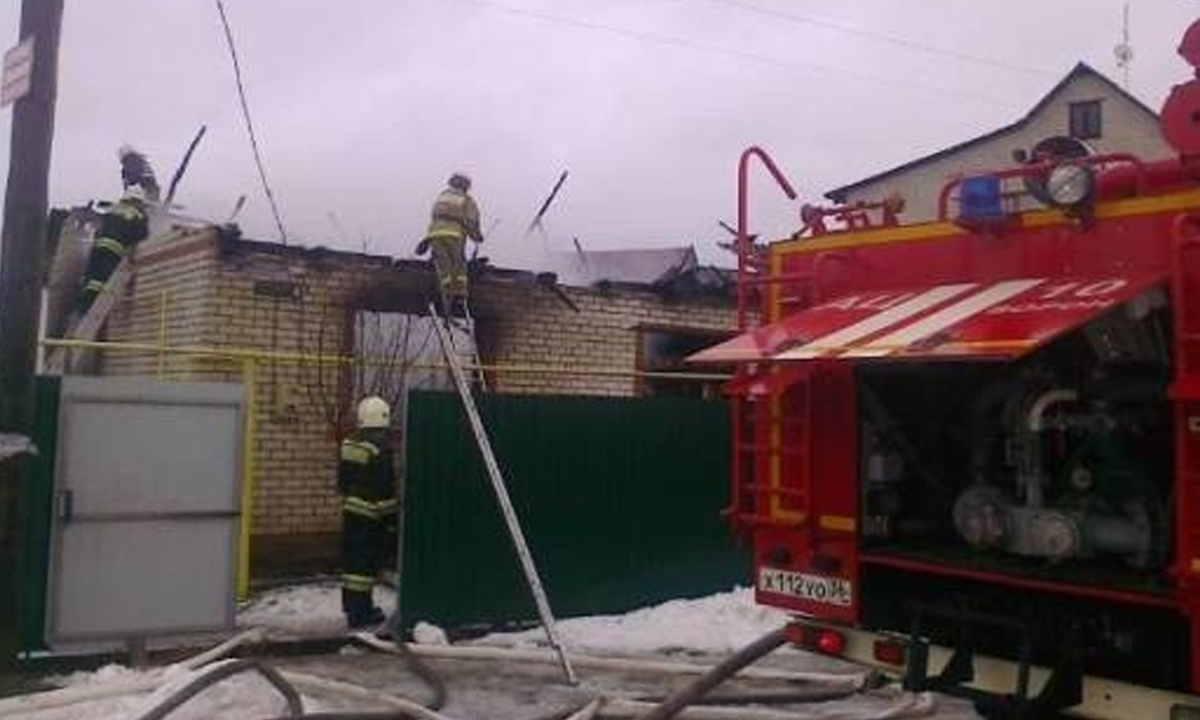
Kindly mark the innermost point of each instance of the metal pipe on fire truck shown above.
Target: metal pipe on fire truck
(743, 219)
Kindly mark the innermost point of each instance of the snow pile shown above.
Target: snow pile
(112, 674)
(309, 610)
(426, 634)
(719, 623)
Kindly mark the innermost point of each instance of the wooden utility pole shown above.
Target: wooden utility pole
(22, 258)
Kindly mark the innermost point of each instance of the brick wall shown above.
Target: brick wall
(169, 300)
(297, 302)
(522, 326)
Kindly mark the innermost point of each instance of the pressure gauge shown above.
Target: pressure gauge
(1070, 184)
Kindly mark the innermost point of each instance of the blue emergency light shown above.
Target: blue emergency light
(981, 197)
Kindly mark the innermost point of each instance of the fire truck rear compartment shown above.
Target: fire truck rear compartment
(1054, 470)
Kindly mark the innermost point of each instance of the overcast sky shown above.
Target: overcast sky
(363, 107)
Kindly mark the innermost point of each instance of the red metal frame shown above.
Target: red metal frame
(1096, 162)
(1169, 600)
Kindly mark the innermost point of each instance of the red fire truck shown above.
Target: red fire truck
(968, 450)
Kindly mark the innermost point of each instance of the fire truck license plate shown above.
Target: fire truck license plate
(817, 588)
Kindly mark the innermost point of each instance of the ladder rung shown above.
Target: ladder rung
(765, 447)
(774, 490)
(787, 421)
(768, 521)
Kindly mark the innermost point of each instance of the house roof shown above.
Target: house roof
(673, 271)
(1080, 70)
(626, 267)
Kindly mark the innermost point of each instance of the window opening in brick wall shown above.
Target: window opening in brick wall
(395, 342)
(1084, 119)
(663, 349)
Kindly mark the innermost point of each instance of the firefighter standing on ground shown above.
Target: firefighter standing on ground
(122, 227)
(455, 218)
(367, 483)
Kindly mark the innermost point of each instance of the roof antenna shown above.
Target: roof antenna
(1124, 51)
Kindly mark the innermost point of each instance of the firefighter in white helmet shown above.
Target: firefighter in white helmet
(367, 483)
(123, 226)
(455, 218)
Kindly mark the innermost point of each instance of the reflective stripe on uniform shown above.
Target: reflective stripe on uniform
(109, 245)
(358, 583)
(126, 210)
(446, 230)
(93, 286)
(358, 506)
(359, 452)
(368, 509)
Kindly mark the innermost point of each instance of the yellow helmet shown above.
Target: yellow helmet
(373, 412)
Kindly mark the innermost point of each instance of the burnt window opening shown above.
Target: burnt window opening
(663, 349)
(396, 348)
(1084, 120)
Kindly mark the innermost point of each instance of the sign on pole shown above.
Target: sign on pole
(17, 79)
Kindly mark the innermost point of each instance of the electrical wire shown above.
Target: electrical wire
(876, 36)
(258, 161)
(655, 38)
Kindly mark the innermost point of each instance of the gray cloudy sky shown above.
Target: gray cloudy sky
(364, 106)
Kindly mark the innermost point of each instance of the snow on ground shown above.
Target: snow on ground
(242, 696)
(304, 610)
(712, 626)
(719, 623)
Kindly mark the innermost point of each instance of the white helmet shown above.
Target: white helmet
(373, 412)
(135, 192)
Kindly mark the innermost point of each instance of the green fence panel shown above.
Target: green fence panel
(619, 499)
(31, 527)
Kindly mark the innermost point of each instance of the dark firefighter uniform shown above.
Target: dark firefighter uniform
(455, 218)
(122, 227)
(368, 487)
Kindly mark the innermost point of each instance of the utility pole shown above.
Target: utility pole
(22, 258)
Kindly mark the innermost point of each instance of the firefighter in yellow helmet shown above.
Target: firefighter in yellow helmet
(367, 483)
(455, 218)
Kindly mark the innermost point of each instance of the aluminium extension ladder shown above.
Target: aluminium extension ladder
(62, 359)
(506, 507)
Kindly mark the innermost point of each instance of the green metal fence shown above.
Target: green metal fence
(619, 499)
(36, 501)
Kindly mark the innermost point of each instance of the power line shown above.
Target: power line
(876, 36)
(655, 38)
(262, 172)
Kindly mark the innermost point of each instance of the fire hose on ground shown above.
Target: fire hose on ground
(682, 704)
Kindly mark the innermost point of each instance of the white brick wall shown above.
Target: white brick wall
(212, 302)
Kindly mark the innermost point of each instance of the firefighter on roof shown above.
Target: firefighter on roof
(455, 218)
(367, 483)
(123, 226)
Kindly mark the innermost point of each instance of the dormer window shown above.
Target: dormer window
(1084, 120)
